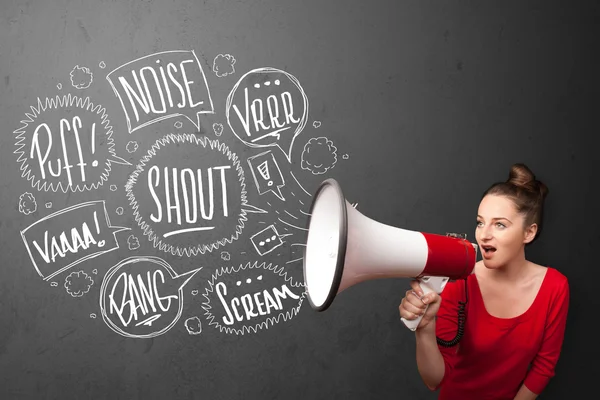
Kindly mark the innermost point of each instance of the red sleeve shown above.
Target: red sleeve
(543, 365)
(446, 325)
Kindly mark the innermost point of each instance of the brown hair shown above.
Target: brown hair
(526, 192)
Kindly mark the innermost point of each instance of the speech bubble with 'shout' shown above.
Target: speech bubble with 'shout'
(142, 297)
(70, 236)
(267, 107)
(161, 86)
(66, 143)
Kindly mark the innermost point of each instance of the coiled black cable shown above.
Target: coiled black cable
(461, 322)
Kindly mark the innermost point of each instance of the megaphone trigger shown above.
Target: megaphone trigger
(428, 284)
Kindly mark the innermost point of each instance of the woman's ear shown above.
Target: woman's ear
(530, 233)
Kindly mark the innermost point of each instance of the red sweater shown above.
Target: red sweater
(497, 355)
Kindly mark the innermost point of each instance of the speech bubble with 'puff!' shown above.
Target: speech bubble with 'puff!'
(66, 143)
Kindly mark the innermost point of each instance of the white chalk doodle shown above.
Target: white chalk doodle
(142, 297)
(92, 315)
(81, 77)
(225, 255)
(194, 292)
(78, 283)
(132, 146)
(102, 64)
(178, 124)
(54, 284)
(248, 308)
(193, 325)
(223, 65)
(217, 129)
(319, 155)
(266, 240)
(59, 86)
(133, 242)
(301, 187)
(113, 188)
(27, 203)
(160, 86)
(119, 211)
(262, 114)
(95, 271)
(82, 144)
(345, 156)
(48, 204)
(266, 173)
(70, 236)
(317, 124)
(194, 208)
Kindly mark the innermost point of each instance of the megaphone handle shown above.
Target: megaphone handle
(428, 284)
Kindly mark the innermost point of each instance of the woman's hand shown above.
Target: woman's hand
(414, 303)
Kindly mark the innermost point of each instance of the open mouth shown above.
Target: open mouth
(488, 249)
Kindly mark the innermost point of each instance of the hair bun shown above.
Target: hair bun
(521, 176)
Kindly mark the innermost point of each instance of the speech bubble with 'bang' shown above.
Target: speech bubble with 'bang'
(66, 143)
(142, 297)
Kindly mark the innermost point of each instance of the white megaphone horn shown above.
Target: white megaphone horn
(344, 248)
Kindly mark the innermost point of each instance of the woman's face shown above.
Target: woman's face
(500, 232)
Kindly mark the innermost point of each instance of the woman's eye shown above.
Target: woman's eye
(500, 225)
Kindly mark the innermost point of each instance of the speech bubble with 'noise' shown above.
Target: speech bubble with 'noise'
(66, 143)
(70, 236)
(142, 297)
(161, 86)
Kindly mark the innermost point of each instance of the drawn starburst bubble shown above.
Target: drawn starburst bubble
(152, 232)
(91, 112)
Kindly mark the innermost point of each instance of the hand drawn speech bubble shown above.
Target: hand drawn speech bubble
(188, 194)
(267, 107)
(70, 236)
(142, 297)
(262, 296)
(161, 86)
(66, 143)
(266, 173)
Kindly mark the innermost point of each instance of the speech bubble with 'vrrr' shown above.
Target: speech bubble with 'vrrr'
(66, 143)
(161, 86)
(70, 236)
(142, 297)
(267, 107)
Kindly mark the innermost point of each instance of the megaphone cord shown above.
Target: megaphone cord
(461, 322)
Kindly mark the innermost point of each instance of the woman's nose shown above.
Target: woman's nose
(486, 232)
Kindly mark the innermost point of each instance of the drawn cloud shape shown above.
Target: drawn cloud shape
(27, 204)
(81, 77)
(223, 65)
(193, 325)
(78, 283)
(319, 155)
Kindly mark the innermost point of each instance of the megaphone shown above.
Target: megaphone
(344, 247)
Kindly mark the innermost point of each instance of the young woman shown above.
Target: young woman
(516, 310)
